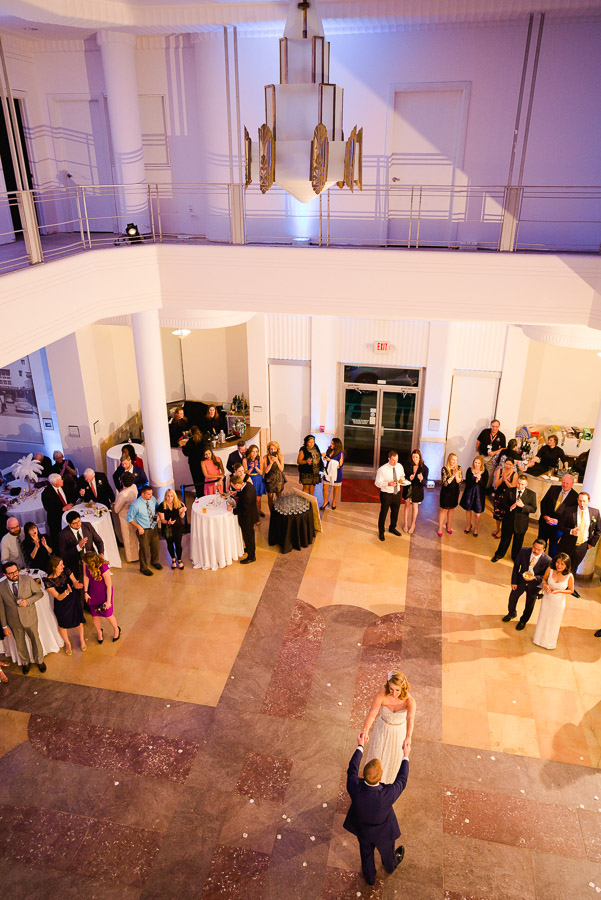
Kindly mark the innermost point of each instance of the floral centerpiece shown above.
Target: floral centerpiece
(28, 470)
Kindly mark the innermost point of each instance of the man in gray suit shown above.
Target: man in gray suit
(18, 596)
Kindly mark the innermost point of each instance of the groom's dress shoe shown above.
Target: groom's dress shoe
(508, 617)
(399, 853)
(395, 531)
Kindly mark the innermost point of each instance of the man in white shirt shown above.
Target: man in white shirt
(581, 530)
(389, 480)
(11, 549)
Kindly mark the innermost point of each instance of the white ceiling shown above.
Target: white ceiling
(67, 19)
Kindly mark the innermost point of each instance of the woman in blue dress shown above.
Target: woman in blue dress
(333, 476)
(252, 464)
(474, 495)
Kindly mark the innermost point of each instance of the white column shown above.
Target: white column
(118, 62)
(436, 396)
(511, 385)
(149, 362)
(592, 485)
(258, 376)
(324, 389)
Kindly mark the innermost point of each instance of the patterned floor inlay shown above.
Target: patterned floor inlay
(206, 755)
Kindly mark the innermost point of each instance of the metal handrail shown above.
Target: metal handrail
(60, 220)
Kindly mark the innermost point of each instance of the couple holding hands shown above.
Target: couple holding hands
(371, 817)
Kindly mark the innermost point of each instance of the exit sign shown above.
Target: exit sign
(382, 346)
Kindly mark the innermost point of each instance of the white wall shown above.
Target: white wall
(561, 386)
(215, 364)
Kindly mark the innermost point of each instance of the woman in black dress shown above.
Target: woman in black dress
(194, 451)
(172, 514)
(212, 423)
(474, 495)
(451, 477)
(35, 548)
(63, 587)
(417, 473)
(505, 477)
(310, 464)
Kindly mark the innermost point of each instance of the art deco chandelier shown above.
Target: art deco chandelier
(301, 146)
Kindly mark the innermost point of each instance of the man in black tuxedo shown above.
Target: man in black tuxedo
(76, 539)
(371, 817)
(532, 562)
(522, 504)
(236, 456)
(248, 514)
(57, 497)
(94, 486)
(581, 529)
(556, 501)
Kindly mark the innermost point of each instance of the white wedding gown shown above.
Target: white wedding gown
(551, 613)
(386, 742)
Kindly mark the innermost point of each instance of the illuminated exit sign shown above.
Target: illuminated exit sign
(382, 346)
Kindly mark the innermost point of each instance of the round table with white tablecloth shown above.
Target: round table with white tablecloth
(215, 538)
(47, 627)
(99, 517)
(113, 457)
(29, 509)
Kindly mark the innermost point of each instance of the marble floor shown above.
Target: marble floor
(204, 755)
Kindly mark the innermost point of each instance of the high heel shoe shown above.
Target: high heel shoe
(440, 534)
(180, 564)
(449, 531)
(118, 636)
(467, 530)
(325, 506)
(335, 507)
(475, 534)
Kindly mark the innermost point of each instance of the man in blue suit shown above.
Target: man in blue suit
(371, 817)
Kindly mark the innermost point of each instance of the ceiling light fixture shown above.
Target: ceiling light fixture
(303, 133)
(181, 332)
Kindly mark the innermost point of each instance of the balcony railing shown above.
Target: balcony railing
(44, 224)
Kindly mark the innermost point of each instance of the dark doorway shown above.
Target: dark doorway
(8, 168)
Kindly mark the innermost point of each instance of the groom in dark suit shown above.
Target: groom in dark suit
(530, 561)
(248, 514)
(371, 817)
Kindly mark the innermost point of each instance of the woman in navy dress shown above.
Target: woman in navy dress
(417, 473)
(335, 453)
(64, 588)
(252, 464)
(474, 495)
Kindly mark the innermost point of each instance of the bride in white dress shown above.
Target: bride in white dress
(393, 727)
(557, 582)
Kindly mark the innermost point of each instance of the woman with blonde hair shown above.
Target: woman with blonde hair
(451, 477)
(252, 466)
(172, 515)
(98, 591)
(474, 495)
(393, 712)
(273, 472)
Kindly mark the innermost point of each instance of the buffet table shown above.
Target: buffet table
(293, 531)
(99, 517)
(215, 536)
(47, 627)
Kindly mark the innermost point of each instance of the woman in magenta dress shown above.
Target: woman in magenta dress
(98, 591)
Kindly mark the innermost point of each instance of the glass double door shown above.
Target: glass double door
(377, 420)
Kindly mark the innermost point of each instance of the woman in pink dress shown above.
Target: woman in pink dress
(212, 468)
(98, 591)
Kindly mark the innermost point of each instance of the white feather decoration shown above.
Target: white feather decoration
(27, 468)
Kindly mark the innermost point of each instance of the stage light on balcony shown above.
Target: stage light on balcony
(132, 233)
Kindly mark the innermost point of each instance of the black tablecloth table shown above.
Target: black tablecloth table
(291, 532)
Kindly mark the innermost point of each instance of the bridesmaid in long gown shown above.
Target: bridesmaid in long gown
(123, 501)
(393, 726)
(557, 582)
